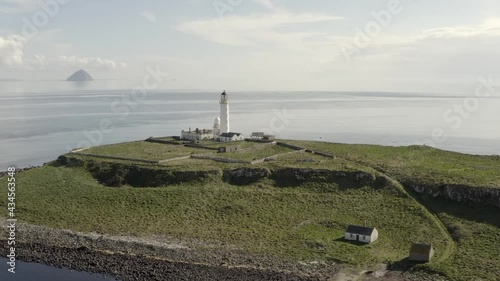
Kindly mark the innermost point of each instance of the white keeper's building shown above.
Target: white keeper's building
(221, 128)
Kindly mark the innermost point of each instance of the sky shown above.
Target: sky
(435, 46)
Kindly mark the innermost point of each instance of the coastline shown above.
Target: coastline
(19, 170)
(153, 258)
(128, 258)
(141, 257)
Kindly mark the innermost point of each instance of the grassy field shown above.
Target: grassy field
(476, 231)
(301, 223)
(302, 159)
(241, 144)
(257, 152)
(146, 150)
(305, 222)
(425, 164)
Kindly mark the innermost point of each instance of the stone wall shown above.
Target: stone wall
(116, 157)
(220, 159)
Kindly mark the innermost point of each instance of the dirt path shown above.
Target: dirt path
(450, 244)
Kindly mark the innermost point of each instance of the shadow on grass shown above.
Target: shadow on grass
(403, 265)
(468, 211)
(353, 242)
(406, 265)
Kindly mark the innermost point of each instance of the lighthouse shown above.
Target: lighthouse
(221, 130)
(224, 113)
(217, 126)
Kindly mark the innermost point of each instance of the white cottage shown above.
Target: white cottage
(227, 137)
(361, 233)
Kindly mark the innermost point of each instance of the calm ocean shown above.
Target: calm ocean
(38, 272)
(41, 120)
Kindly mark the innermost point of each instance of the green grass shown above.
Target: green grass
(300, 223)
(476, 232)
(241, 144)
(307, 160)
(256, 153)
(167, 139)
(146, 150)
(424, 164)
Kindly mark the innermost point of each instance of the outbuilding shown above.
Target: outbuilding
(269, 138)
(361, 233)
(228, 148)
(421, 252)
(227, 137)
(257, 135)
(197, 135)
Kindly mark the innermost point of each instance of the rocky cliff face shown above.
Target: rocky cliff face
(242, 176)
(459, 193)
(297, 176)
(116, 174)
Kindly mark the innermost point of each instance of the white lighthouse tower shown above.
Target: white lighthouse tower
(217, 126)
(224, 113)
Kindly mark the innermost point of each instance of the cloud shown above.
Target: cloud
(246, 30)
(11, 50)
(490, 28)
(150, 16)
(12, 55)
(71, 62)
(442, 46)
(444, 56)
(266, 3)
(18, 6)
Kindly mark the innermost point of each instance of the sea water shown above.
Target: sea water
(38, 123)
(26, 271)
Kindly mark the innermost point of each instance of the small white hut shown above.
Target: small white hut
(361, 233)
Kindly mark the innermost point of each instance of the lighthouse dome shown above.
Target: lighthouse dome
(217, 121)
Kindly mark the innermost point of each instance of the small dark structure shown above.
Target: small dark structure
(361, 233)
(229, 148)
(269, 137)
(262, 136)
(257, 135)
(421, 252)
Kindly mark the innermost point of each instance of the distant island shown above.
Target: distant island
(80, 76)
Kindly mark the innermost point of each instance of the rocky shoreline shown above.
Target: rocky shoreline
(129, 258)
(154, 258)
(138, 267)
(18, 170)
